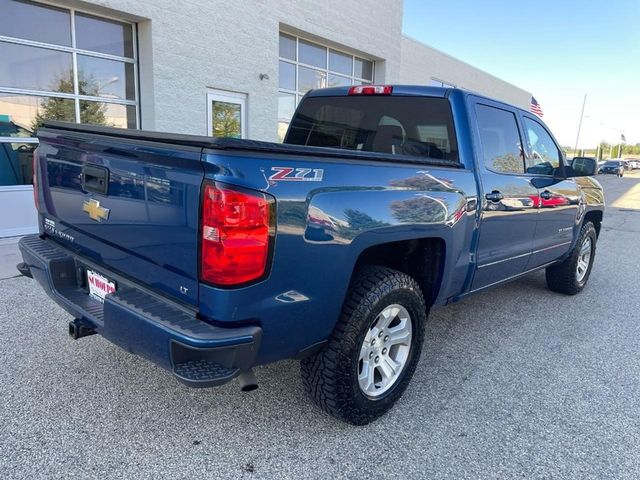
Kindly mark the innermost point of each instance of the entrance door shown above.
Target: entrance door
(226, 114)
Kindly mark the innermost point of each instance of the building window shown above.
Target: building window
(306, 65)
(60, 64)
(226, 114)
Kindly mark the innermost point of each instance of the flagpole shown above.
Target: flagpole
(580, 124)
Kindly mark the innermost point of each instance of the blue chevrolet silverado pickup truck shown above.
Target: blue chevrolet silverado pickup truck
(211, 256)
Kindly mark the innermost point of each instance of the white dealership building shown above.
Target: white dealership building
(202, 67)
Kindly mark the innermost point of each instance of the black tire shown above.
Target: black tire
(330, 377)
(563, 277)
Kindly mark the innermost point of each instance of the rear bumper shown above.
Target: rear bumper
(140, 321)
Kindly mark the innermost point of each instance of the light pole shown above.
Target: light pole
(580, 124)
(109, 81)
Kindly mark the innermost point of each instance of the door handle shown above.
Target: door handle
(546, 195)
(95, 179)
(494, 196)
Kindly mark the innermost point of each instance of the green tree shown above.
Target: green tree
(418, 209)
(226, 120)
(508, 163)
(63, 109)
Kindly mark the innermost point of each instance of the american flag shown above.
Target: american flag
(536, 108)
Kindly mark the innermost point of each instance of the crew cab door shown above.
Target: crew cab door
(508, 198)
(559, 197)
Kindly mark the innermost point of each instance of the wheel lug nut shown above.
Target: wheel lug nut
(380, 334)
(370, 354)
(377, 359)
(386, 338)
(373, 342)
(384, 351)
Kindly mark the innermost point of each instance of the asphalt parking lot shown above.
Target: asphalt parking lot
(515, 382)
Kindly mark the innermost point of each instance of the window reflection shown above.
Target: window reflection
(500, 138)
(28, 112)
(545, 155)
(227, 119)
(309, 79)
(16, 165)
(26, 67)
(340, 63)
(104, 35)
(105, 78)
(107, 114)
(37, 22)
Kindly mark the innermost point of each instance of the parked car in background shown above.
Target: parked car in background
(16, 153)
(614, 167)
(634, 163)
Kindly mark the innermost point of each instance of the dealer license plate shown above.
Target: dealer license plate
(99, 285)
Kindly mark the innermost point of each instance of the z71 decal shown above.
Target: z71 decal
(290, 174)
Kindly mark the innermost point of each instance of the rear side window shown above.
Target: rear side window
(414, 126)
(500, 138)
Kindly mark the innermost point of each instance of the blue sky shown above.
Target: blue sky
(558, 50)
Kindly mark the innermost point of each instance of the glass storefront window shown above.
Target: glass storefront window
(303, 67)
(287, 47)
(287, 79)
(89, 77)
(286, 108)
(107, 114)
(363, 69)
(309, 79)
(104, 35)
(339, 81)
(99, 77)
(34, 21)
(340, 63)
(33, 68)
(27, 112)
(312, 54)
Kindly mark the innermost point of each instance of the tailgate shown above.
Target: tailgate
(129, 205)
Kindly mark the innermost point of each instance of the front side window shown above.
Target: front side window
(544, 158)
(500, 138)
(396, 125)
(306, 65)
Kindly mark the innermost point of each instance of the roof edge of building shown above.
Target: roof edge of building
(415, 40)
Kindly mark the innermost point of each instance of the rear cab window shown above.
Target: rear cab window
(395, 125)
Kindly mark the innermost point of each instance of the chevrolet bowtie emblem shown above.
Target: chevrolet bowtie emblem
(95, 211)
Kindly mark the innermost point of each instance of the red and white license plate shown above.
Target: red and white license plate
(99, 285)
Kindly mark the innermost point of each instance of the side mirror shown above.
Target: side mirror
(583, 167)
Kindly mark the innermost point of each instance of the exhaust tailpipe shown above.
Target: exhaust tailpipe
(77, 330)
(247, 381)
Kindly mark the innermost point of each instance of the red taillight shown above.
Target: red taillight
(35, 179)
(371, 90)
(236, 229)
